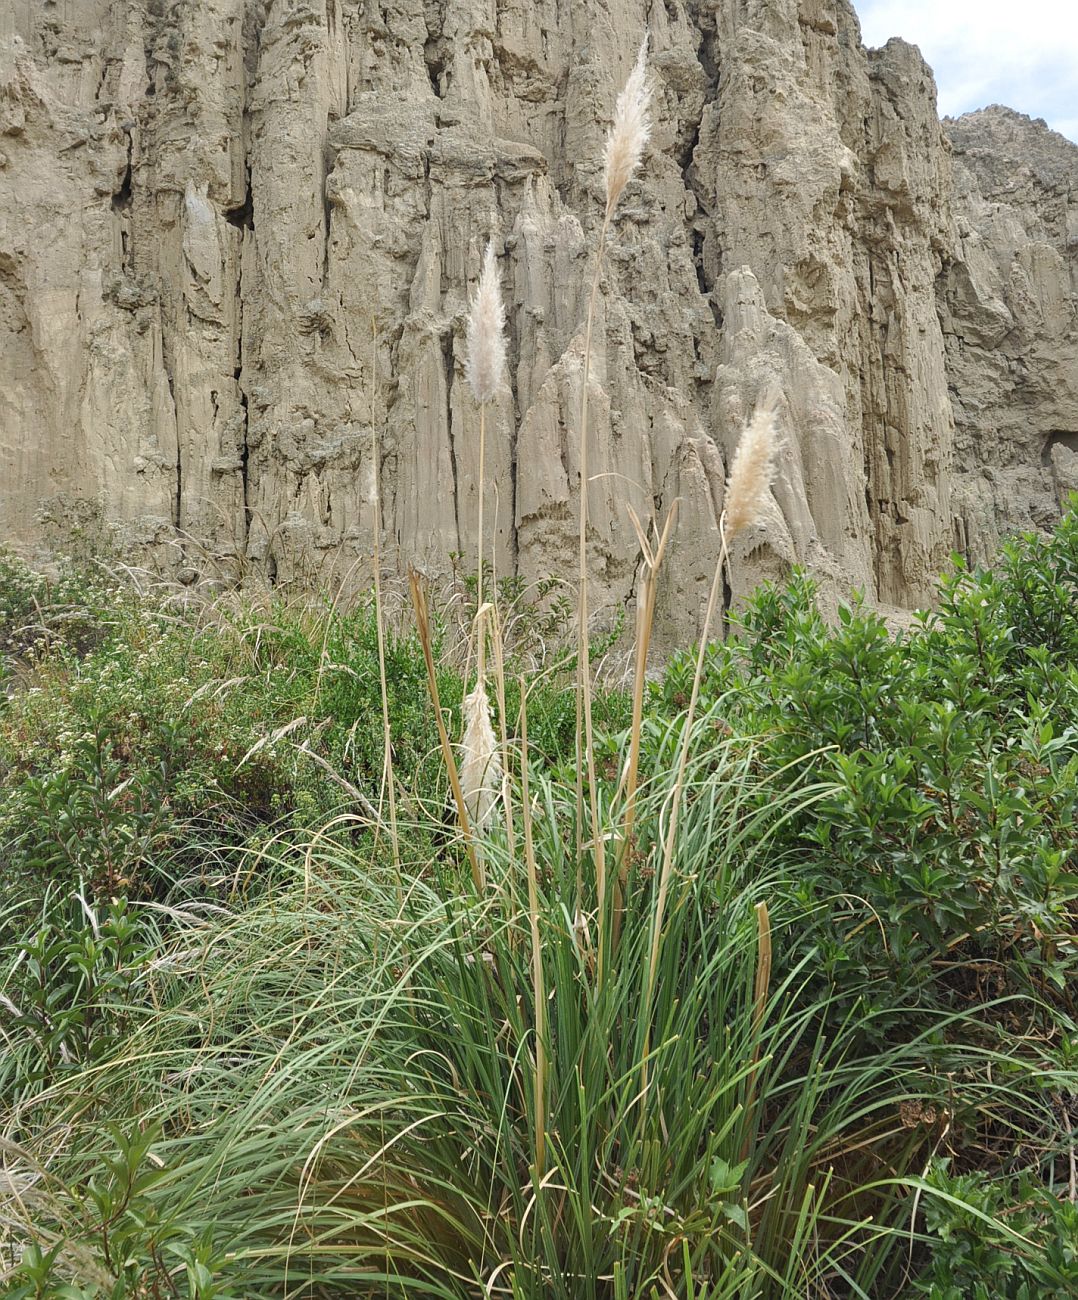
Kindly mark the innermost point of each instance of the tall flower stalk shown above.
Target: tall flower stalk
(379, 619)
(747, 493)
(652, 557)
(538, 980)
(483, 369)
(624, 149)
(484, 366)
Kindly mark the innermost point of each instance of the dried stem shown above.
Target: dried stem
(624, 149)
(645, 619)
(747, 492)
(483, 367)
(759, 1006)
(763, 974)
(499, 691)
(482, 479)
(683, 761)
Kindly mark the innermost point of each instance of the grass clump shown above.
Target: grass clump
(333, 1089)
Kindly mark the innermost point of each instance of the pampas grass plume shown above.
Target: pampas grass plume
(480, 767)
(485, 335)
(629, 133)
(749, 487)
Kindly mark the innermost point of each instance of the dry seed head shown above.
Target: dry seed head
(629, 133)
(485, 335)
(749, 485)
(480, 767)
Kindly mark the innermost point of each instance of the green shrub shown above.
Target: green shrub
(117, 761)
(997, 1239)
(74, 987)
(126, 1246)
(950, 840)
(182, 734)
(96, 817)
(37, 613)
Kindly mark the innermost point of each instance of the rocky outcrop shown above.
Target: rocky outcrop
(1008, 301)
(237, 239)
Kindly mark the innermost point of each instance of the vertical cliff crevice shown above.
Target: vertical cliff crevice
(121, 205)
(178, 503)
(245, 453)
(241, 217)
(453, 487)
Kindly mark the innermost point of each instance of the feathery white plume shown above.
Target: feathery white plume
(753, 469)
(480, 766)
(485, 336)
(630, 131)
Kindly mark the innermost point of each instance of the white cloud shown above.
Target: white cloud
(1022, 53)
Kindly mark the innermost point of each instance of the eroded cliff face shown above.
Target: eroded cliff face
(1008, 298)
(237, 238)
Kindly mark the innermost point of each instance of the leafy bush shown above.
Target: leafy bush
(72, 989)
(126, 1247)
(37, 612)
(95, 817)
(954, 753)
(998, 1239)
(181, 734)
(116, 760)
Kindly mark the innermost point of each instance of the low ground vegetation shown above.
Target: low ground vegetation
(828, 1048)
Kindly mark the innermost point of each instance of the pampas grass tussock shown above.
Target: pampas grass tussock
(480, 765)
(746, 495)
(629, 132)
(621, 156)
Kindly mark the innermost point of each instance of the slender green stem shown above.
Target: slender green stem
(582, 648)
(481, 658)
(387, 732)
(538, 986)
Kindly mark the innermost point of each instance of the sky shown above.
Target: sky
(1022, 53)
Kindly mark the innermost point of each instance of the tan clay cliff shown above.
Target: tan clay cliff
(236, 235)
